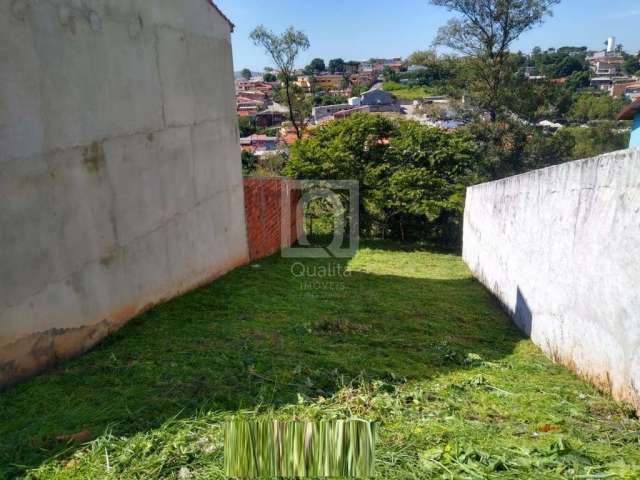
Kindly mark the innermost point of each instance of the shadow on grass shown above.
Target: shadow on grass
(260, 336)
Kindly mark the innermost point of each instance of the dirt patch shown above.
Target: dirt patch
(340, 327)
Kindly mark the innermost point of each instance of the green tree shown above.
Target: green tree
(269, 77)
(597, 139)
(590, 107)
(246, 74)
(316, 66)
(324, 100)
(337, 65)
(422, 57)
(284, 50)
(246, 126)
(248, 162)
(577, 81)
(631, 65)
(412, 178)
(389, 75)
(569, 65)
(484, 30)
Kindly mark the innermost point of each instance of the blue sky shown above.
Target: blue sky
(361, 29)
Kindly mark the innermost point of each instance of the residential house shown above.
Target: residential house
(324, 112)
(329, 82)
(258, 144)
(632, 92)
(363, 79)
(372, 101)
(269, 118)
(607, 63)
(264, 87)
(377, 97)
(602, 83)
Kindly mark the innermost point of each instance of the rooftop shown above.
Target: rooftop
(630, 111)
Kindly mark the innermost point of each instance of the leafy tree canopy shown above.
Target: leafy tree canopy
(484, 30)
(337, 65)
(412, 178)
(590, 107)
(284, 50)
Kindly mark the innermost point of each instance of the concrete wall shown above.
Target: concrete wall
(120, 173)
(560, 247)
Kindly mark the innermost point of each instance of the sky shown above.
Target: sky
(362, 29)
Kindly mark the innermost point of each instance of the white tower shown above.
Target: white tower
(611, 44)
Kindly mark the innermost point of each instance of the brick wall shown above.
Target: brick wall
(263, 209)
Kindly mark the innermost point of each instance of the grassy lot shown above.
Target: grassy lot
(406, 92)
(408, 339)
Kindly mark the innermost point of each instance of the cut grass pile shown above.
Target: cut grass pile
(408, 339)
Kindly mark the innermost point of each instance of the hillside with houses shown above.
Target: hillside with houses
(583, 89)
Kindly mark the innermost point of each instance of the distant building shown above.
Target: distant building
(416, 68)
(619, 87)
(366, 67)
(364, 79)
(603, 83)
(258, 144)
(269, 118)
(328, 111)
(377, 97)
(607, 63)
(632, 92)
(264, 87)
(373, 101)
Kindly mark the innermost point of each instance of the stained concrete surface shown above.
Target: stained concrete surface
(120, 172)
(560, 248)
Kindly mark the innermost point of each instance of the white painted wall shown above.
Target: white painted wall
(560, 247)
(120, 172)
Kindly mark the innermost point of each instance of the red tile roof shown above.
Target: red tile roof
(630, 111)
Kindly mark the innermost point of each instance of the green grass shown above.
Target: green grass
(407, 92)
(408, 340)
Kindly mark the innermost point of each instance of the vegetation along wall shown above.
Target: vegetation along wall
(560, 247)
(120, 172)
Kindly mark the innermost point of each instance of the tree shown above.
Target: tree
(300, 104)
(337, 65)
(422, 57)
(246, 126)
(389, 75)
(631, 64)
(569, 65)
(284, 50)
(484, 31)
(602, 138)
(577, 81)
(352, 66)
(590, 107)
(269, 77)
(317, 65)
(248, 162)
(246, 74)
(412, 178)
